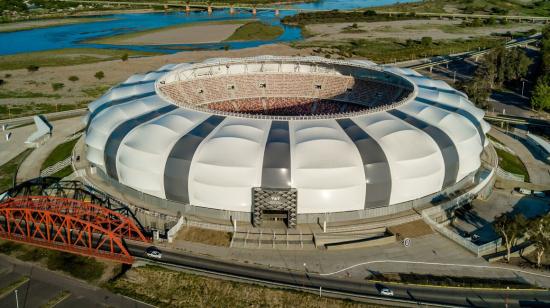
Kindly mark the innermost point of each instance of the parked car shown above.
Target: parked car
(386, 292)
(153, 252)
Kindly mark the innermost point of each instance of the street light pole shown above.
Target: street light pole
(16, 300)
(522, 86)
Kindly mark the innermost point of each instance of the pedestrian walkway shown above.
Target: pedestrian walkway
(539, 172)
(30, 168)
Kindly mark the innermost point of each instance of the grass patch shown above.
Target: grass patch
(8, 247)
(63, 172)
(389, 50)
(58, 154)
(466, 282)
(166, 288)
(256, 31)
(61, 296)
(81, 267)
(511, 163)
(66, 57)
(7, 170)
(95, 92)
(205, 236)
(23, 110)
(491, 7)
(14, 285)
(25, 94)
(117, 39)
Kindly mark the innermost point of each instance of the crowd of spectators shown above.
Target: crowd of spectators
(284, 94)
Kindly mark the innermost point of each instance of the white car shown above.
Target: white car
(153, 253)
(386, 292)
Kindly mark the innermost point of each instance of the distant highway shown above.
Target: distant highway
(405, 295)
(461, 56)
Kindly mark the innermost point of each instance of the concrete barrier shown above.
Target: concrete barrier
(385, 240)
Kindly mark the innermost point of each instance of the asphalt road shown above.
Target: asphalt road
(357, 289)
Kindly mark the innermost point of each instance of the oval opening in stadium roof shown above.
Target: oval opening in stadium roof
(285, 88)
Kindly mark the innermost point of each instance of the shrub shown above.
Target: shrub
(32, 68)
(124, 57)
(426, 41)
(73, 78)
(2, 82)
(77, 266)
(57, 86)
(99, 75)
(7, 75)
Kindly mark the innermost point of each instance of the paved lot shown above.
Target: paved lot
(478, 219)
(45, 285)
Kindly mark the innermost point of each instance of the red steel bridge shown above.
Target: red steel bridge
(69, 225)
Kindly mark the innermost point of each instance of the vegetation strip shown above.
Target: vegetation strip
(14, 285)
(65, 57)
(256, 31)
(61, 296)
(8, 170)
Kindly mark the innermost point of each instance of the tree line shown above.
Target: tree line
(498, 66)
(540, 99)
(515, 227)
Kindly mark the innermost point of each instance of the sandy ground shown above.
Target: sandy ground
(194, 34)
(115, 72)
(409, 29)
(26, 25)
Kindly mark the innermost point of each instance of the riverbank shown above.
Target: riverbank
(190, 33)
(38, 24)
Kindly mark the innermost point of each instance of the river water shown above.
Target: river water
(76, 35)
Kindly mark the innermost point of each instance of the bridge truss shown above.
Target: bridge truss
(68, 225)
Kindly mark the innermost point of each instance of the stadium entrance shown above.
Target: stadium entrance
(274, 205)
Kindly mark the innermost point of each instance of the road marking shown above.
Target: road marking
(438, 264)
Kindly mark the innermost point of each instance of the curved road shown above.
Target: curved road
(405, 295)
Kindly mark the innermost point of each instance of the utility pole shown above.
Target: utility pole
(522, 86)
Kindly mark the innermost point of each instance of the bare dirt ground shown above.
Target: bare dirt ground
(409, 29)
(115, 72)
(187, 34)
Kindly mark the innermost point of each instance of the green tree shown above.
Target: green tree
(539, 235)
(426, 41)
(479, 87)
(99, 75)
(124, 57)
(540, 100)
(73, 78)
(510, 227)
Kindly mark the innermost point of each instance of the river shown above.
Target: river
(76, 35)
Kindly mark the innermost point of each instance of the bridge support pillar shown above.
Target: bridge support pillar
(431, 67)
(187, 8)
(209, 9)
(254, 11)
(277, 12)
(231, 10)
(166, 7)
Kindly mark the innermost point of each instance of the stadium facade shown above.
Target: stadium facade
(285, 137)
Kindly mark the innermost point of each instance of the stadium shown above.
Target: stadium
(289, 138)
